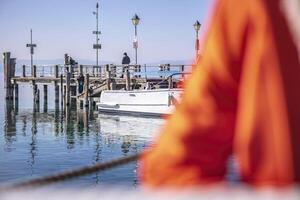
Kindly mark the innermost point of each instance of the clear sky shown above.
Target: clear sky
(65, 26)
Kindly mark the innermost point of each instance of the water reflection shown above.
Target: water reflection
(10, 124)
(38, 143)
(33, 143)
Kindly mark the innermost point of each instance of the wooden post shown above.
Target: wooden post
(24, 70)
(182, 70)
(7, 76)
(65, 94)
(46, 93)
(61, 91)
(16, 91)
(107, 69)
(36, 105)
(34, 71)
(38, 95)
(170, 81)
(34, 90)
(86, 90)
(56, 87)
(108, 78)
(45, 97)
(80, 69)
(113, 84)
(56, 91)
(145, 71)
(56, 71)
(68, 91)
(128, 85)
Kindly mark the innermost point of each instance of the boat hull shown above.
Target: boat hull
(152, 103)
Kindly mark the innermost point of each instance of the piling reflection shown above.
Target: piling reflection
(60, 140)
(9, 124)
(33, 143)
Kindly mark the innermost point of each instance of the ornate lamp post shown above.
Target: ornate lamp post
(135, 22)
(197, 27)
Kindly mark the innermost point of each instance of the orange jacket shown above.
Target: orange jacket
(243, 98)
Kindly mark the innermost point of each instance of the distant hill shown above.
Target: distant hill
(171, 62)
(57, 62)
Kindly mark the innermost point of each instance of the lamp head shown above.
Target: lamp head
(135, 20)
(197, 25)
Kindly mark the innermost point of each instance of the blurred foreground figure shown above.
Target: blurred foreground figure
(243, 98)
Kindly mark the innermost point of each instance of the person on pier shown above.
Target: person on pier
(125, 63)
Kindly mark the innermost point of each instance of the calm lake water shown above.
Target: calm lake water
(34, 143)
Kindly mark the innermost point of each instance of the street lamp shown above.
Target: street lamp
(135, 22)
(197, 27)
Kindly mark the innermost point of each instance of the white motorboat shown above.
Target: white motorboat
(157, 102)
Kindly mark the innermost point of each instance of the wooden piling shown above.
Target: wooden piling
(45, 98)
(56, 87)
(108, 82)
(80, 69)
(56, 71)
(24, 70)
(16, 91)
(34, 71)
(68, 91)
(46, 93)
(108, 77)
(182, 70)
(35, 91)
(36, 103)
(170, 81)
(38, 96)
(61, 91)
(113, 84)
(86, 90)
(65, 94)
(128, 84)
(8, 74)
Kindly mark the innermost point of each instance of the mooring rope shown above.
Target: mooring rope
(67, 175)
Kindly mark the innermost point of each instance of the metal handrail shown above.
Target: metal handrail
(170, 77)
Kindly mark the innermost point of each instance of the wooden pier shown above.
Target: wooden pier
(81, 85)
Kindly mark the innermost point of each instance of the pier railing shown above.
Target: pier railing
(104, 71)
(136, 71)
